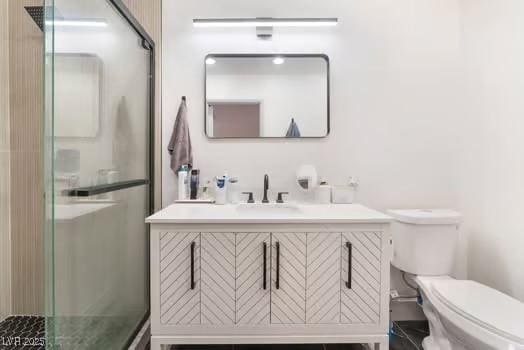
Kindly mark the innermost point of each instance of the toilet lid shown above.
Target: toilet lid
(483, 305)
(426, 216)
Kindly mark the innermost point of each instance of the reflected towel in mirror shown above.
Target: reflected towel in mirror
(293, 130)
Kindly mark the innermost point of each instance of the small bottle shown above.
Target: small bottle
(195, 180)
(221, 189)
(183, 174)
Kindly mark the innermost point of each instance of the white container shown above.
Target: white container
(323, 194)
(233, 191)
(343, 194)
(183, 175)
(424, 241)
(221, 190)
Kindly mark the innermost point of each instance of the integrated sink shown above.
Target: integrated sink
(268, 209)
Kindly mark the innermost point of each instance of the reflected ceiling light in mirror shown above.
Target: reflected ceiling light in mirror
(77, 23)
(278, 60)
(210, 61)
(265, 22)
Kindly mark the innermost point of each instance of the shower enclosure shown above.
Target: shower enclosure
(76, 106)
(99, 110)
(98, 98)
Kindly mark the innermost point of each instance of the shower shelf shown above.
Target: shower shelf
(105, 188)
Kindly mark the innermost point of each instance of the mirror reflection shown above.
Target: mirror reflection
(267, 96)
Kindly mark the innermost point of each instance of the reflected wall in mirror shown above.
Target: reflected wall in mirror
(267, 96)
(78, 78)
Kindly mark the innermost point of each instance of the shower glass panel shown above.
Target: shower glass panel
(99, 78)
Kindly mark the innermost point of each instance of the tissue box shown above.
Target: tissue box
(343, 194)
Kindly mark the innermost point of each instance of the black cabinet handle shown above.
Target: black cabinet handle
(264, 248)
(277, 283)
(350, 251)
(192, 265)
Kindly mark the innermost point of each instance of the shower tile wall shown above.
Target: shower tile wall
(5, 246)
(25, 88)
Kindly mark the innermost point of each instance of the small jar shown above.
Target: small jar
(233, 191)
(323, 193)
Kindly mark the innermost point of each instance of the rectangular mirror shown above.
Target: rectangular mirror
(267, 96)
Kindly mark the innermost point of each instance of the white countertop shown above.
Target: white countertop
(268, 214)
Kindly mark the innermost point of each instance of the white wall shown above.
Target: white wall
(5, 229)
(492, 188)
(396, 96)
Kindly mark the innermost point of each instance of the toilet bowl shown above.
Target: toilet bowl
(462, 314)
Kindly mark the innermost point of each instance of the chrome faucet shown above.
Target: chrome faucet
(266, 187)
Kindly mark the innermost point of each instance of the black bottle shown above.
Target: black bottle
(195, 180)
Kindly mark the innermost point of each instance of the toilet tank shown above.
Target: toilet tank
(425, 240)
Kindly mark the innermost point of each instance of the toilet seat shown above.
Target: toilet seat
(474, 311)
(487, 307)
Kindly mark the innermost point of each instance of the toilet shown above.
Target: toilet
(462, 314)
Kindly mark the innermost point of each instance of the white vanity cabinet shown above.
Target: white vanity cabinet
(270, 282)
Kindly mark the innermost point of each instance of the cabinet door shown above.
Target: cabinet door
(360, 300)
(323, 278)
(180, 278)
(218, 278)
(288, 276)
(252, 278)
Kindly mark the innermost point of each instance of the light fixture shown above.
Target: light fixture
(210, 61)
(77, 23)
(265, 22)
(279, 60)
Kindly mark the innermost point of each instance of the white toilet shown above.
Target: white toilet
(462, 314)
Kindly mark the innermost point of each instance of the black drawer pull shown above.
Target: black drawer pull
(350, 249)
(192, 265)
(264, 252)
(277, 282)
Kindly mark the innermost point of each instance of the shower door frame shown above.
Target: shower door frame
(148, 44)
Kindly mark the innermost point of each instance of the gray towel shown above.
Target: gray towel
(293, 130)
(180, 144)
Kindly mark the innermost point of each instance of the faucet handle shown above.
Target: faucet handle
(279, 197)
(250, 198)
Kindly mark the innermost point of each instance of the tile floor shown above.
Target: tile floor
(407, 335)
(75, 333)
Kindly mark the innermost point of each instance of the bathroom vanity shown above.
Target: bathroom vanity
(268, 273)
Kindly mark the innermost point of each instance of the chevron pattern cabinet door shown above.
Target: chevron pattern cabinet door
(179, 304)
(323, 278)
(218, 278)
(288, 302)
(360, 304)
(252, 300)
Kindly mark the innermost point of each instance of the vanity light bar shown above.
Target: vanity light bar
(265, 22)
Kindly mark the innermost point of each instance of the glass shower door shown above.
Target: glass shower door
(99, 97)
